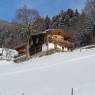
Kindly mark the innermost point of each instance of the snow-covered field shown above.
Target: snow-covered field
(55, 74)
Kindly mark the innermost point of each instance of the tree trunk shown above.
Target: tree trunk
(55, 46)
(28, 52)
(2, 52)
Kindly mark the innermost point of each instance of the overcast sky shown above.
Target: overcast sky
(45, 7)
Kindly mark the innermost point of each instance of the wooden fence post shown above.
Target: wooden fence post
(72, 92)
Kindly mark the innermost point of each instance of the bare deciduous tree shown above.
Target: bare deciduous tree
(26, 17)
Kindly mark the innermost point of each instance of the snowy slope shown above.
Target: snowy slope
(55, 74)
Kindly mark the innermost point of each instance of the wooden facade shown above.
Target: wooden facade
(37, 42)
(59, 38)
(35, 45)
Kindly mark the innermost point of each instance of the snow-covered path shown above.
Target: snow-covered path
(50, 75)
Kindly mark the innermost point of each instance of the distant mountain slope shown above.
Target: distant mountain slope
(4, 24)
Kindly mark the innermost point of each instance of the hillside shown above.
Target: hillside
(4, 24)
(55, 74)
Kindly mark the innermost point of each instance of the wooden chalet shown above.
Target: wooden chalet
(37, 40)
